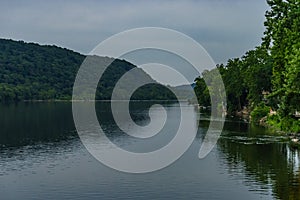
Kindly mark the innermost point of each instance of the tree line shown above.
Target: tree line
(30, 71)
(267, 77)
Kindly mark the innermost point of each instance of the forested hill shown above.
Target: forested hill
(31, 71)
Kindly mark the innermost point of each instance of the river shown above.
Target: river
(42, 157)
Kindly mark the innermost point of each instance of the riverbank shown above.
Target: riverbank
(262, 116)
(294, 137)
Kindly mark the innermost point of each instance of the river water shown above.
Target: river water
(42, 157)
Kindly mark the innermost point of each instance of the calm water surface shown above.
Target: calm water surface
(41, 157)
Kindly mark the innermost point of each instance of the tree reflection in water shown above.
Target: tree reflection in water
(273, 165)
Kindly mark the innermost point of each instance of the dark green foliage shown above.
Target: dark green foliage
(154, 92)
(274, 121)
(259, 112)
(245, 80)
(270, 74)
(201, 91)
(30, 71)
(282, 39)
(209, 89)
(257, 70)
(288, 124)
(33, 72)
(234, 81)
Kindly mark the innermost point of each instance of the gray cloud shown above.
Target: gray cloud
(225, 28)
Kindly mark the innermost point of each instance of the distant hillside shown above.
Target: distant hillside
(185, 91)
(31, 71)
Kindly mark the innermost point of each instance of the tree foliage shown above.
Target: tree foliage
(282, 39)
(30, 71)
(272, 68)
(245, 80)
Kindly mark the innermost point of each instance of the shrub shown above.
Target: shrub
(259, 112)
(290, 124)
(287, 124)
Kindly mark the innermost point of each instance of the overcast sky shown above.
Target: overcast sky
(226, 28)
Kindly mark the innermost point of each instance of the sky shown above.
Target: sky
(225, 28)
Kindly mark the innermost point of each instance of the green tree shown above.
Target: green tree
(201, 91)
(257, 66)
(235, 84)
(282, 38)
